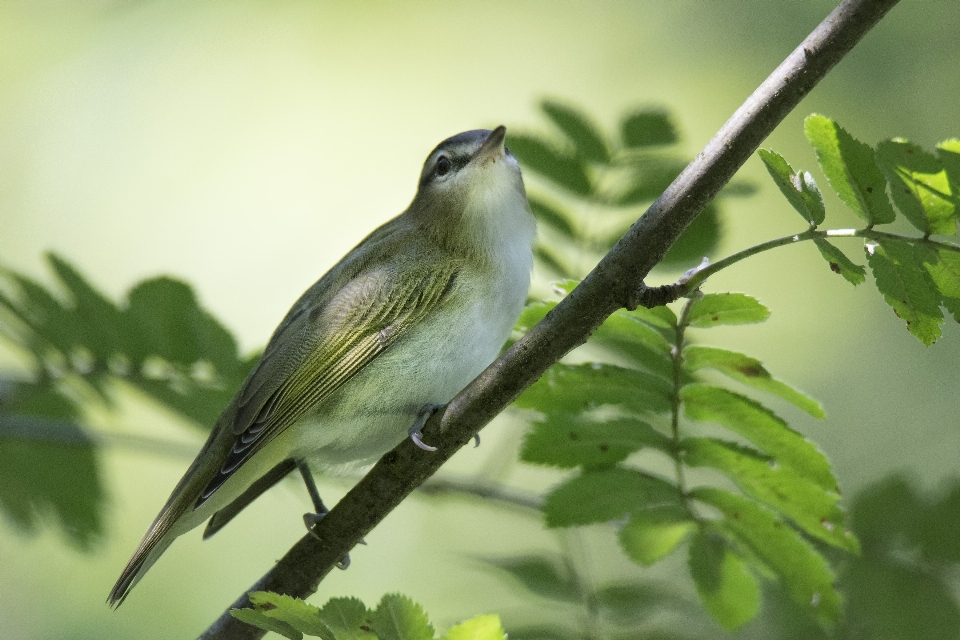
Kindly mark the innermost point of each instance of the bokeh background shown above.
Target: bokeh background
(245, 146)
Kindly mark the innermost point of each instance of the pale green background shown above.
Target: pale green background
(245, 146)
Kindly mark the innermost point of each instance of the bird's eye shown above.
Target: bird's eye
(443, 166)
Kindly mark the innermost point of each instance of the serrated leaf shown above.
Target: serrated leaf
(726, 308)
(798, 187)
(813, 508)
(760, 426)
(97, 319)
(654, 533)
(944, 270)
(600, 496)
(547, 577)
(697, 241)
(170, 323)
(907, 286)
(261, 620)
(555, 164)
(840, 263)
(628, 335)
(578, 129)
(662, 317)
(919, 186)
(346, 618)
(552, 216)
(397, 617)
(570, 389)
(569, 441)
(56, 479)
(648, 128)
(948, 152)
(748, 371)
(294, 612)
(851, 169)
(486, 627)
(728, 589)
(804, 573)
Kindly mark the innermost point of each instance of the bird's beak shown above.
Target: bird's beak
(492, 147)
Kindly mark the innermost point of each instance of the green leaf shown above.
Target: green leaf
(948, 152)
(545, 576)
(628, 335)
(533, 313)
(486, 627)
(171, 324)
(397, 617)
(799, 188)
(633, 602)
(550, 162)
(697, 241)
(851, 169)
(944, 270)
(347, 618)
(728, 589)
(907, 286)
(49, 471)
(654, 533)
(840, 263)
(648, 128)
(726, 308)
(803, 572)
(919, 186)
(304, 618)
(542, 632)
(600, 496)
(261, 620)
(552, 216)
(662, 317)
(568, 441)
(760, 426)
(578, 129)
(813, 508)
(567, 388)
(890, 600)
(97, 319)
(650, 178)
(748, 371)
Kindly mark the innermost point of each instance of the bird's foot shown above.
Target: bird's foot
(311, 520)
(416, 431)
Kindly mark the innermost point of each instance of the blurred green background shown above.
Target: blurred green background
(245, 146)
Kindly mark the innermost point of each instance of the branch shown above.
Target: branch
(614, 283)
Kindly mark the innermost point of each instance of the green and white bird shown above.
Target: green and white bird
(398, 327)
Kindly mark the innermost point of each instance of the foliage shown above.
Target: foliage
(596, 181)
(395, 618)
(79, 344)
(751, 503)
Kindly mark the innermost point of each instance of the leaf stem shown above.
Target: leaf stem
(697, 279)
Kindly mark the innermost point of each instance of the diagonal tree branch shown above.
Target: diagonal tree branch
(616, 282)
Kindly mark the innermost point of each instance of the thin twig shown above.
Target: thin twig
(613, 284)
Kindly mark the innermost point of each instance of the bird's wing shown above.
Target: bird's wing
(341, 338)
(325, 341)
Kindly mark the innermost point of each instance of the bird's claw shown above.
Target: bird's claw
(311, 520)
(416, 431)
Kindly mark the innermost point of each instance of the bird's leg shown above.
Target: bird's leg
(311, 519)
(416, 431)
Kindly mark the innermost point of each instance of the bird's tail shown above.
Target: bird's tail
(146, 554)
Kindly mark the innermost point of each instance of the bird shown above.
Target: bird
(393, 331)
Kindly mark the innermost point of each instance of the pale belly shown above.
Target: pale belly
(372, 413)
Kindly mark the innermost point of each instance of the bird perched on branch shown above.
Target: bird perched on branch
(395, 329)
